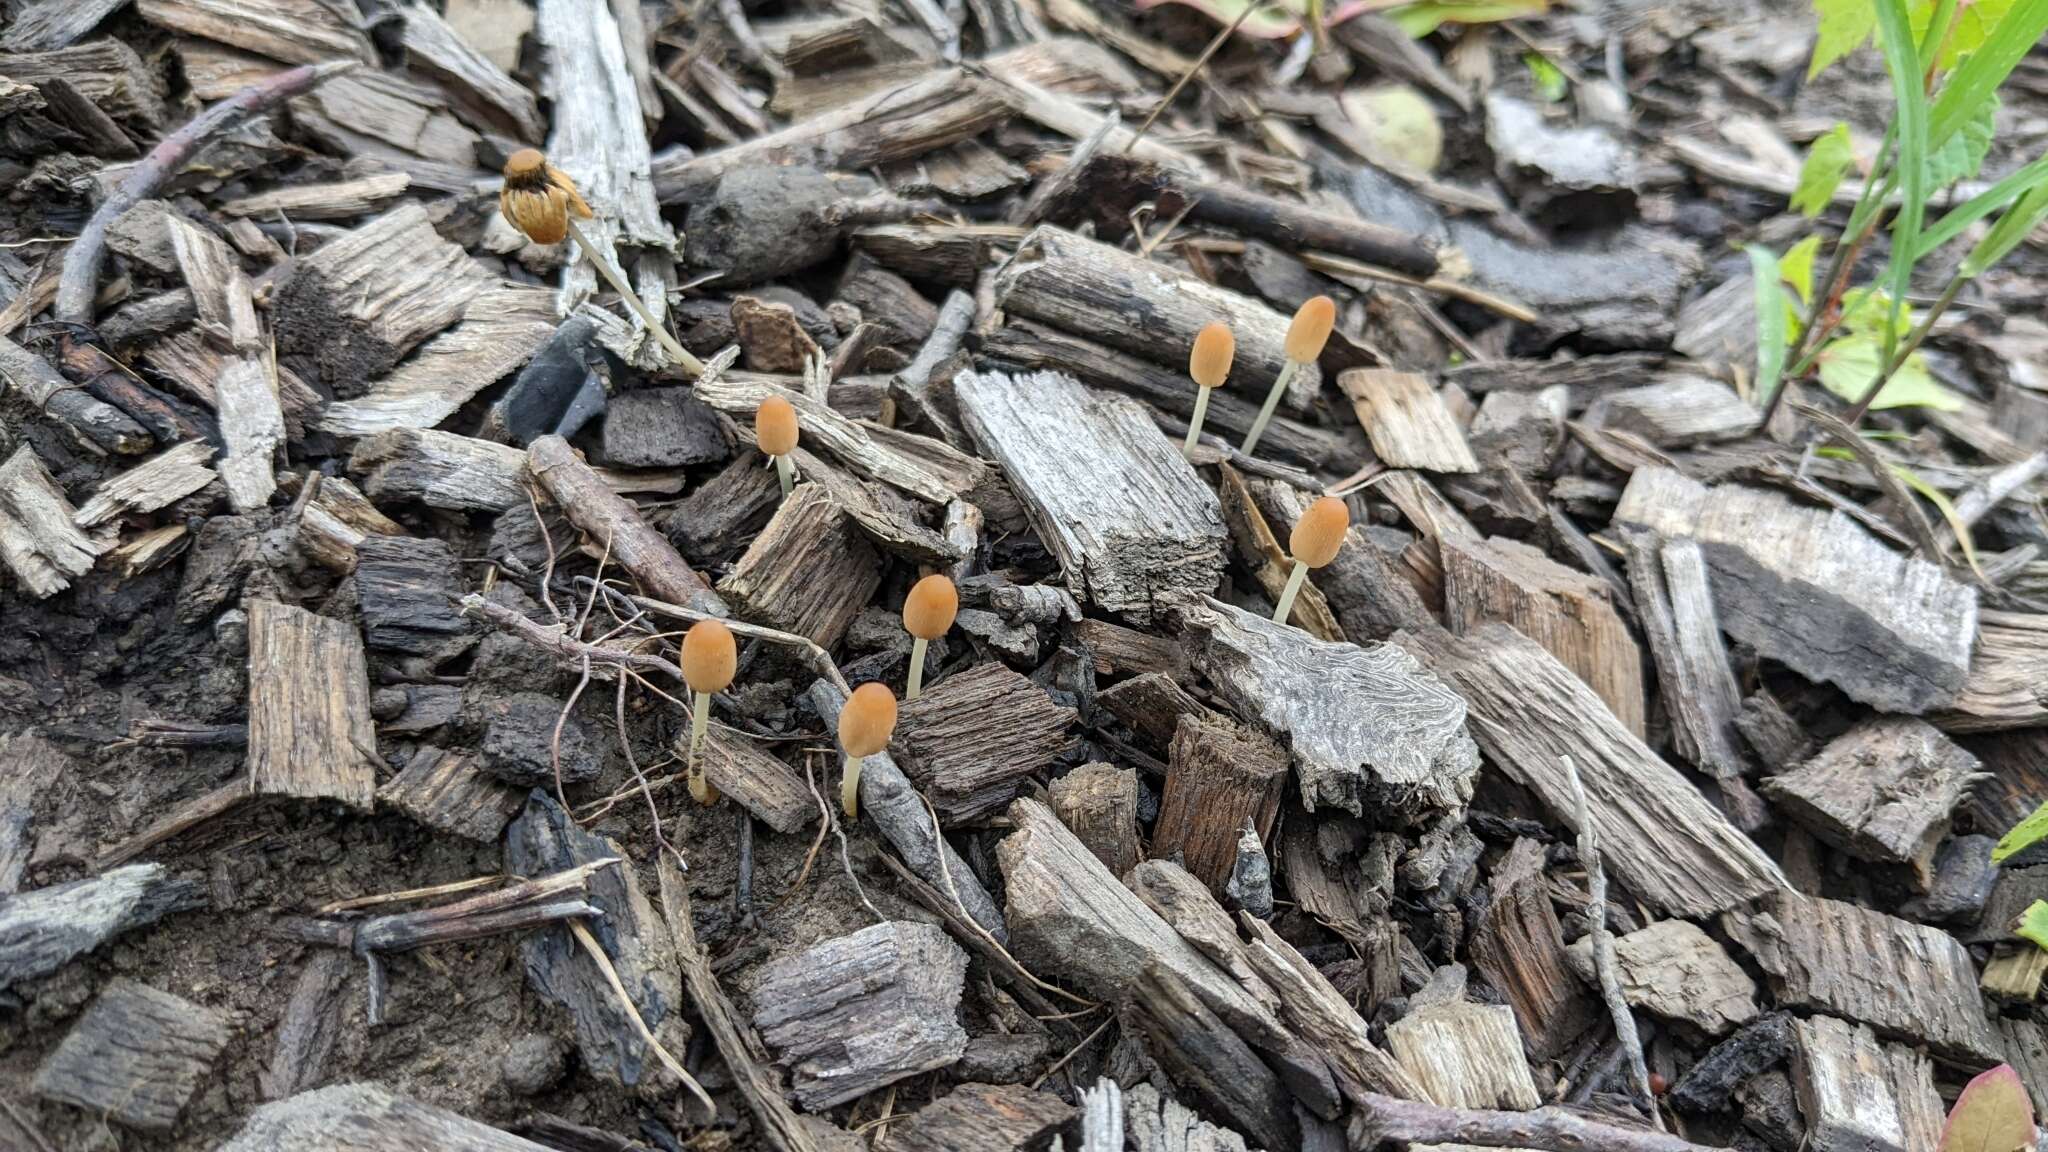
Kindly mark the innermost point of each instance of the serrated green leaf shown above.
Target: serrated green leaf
(1993, 1113)
(1425, 16)
(1844, 27)
(1849, 364)
(1795, 267)
(2021, 836)
(1979, 75)
(1947, 508)
(1771, 330)
(1963, 154)
(1551, 81)
(1868, 311)
(1972, 24)
(1827, 161)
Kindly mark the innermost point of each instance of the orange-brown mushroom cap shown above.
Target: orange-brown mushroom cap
(868, 720)
(1319, 532)
(1209, 363)
(709, 657)
(538, 198)
(928, 610)
(775, 426)
(1310, 329)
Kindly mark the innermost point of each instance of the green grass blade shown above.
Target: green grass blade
(1902, 60)
(2015, 226)
(1771, 334)
(1947, 508)
(2022, 181)
(1980, 74)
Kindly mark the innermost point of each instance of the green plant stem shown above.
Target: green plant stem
(1187, 449)
(1912, 345)
(682, 356)
(1266, 410)
(1287, 594)
(917, 647)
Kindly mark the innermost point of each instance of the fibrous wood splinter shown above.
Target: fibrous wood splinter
(865, 725)
(1209, 364)
(775, 432)
(1313, 543)
(541, 201)
(1306, 335)
(709, 659)
(927, 612)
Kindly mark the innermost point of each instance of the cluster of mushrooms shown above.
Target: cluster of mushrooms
(542, 202)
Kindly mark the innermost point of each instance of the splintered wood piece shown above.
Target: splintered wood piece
(972, 739)
(1818, 592)
(1882, 791)
(158, 482)
(615, 524)
(2014, 974)
(1570, 613)
(927, 469)
(1271, 563)
(339, 200)
(1664, 841)
(1099, 803)
(897, 122)
(1129, 520)
(1209, 1061)
(310, 731)
(91, 420)
(1398, 743)
(1121, 651)
(983, 1118)
(107, 72)
(395, 121)
(43, 24)
(310, 1026)
(479, 88)
(1321, 1015)
(1220, 780)
(1519, 946)
(1677, 971)
(2006, 673)
(441, 470)
(406, 592)
(1183, 902)
(39, 535)
(1904, 979)
(295, 31)
(756, 781)
(1465, 1056)
(810, 571)
(42, 930)
(444, 791)
(1406, 420)
(1070, 917)
(35, 766)
(375, 1119)
(544, 841)
(136, 1056)
(1105, 294)
(335, 521)
(855, 1013)
(1860, 1095)
(501, 329)
(1675, 411)
(724, 511)
(356, 306)
(1676, 607)
(1152, 705)
(252, 424)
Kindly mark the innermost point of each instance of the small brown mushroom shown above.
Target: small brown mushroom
(1209, 364)
(709, 659)
(927, 612)
(1306, 335)
(865, 725)
(1313, 543)
(775, 433)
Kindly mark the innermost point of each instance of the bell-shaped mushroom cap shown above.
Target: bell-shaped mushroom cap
(1319, 532)
(929, 609)
(868, 719)
(1209, 363)
(775, 426)
(1310, 329)
(708, 656)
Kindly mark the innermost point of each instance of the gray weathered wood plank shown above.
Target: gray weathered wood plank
(310, 730)
(376, 1120)
(136, 1056)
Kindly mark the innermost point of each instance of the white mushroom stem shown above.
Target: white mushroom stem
(700, 716)
(1287, 594)
(786, 471)
(917, 647)
(1266, 410)
(1195, 422)
(849, 787)
(618, 282)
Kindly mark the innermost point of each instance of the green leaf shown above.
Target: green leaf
(1827, 161)
(1423, 17)
(1848, 365)
(1771, 329)
(1844, 26)
(1910, 119)
(1795, 267)
(2031, 924)
(1947, 508)
(1992, 199)
(1972, 25)
(1980, 74)
(1963, 154)
(1550, 80)
(2015, 226)
(1993, 1113)
(2021, 836)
